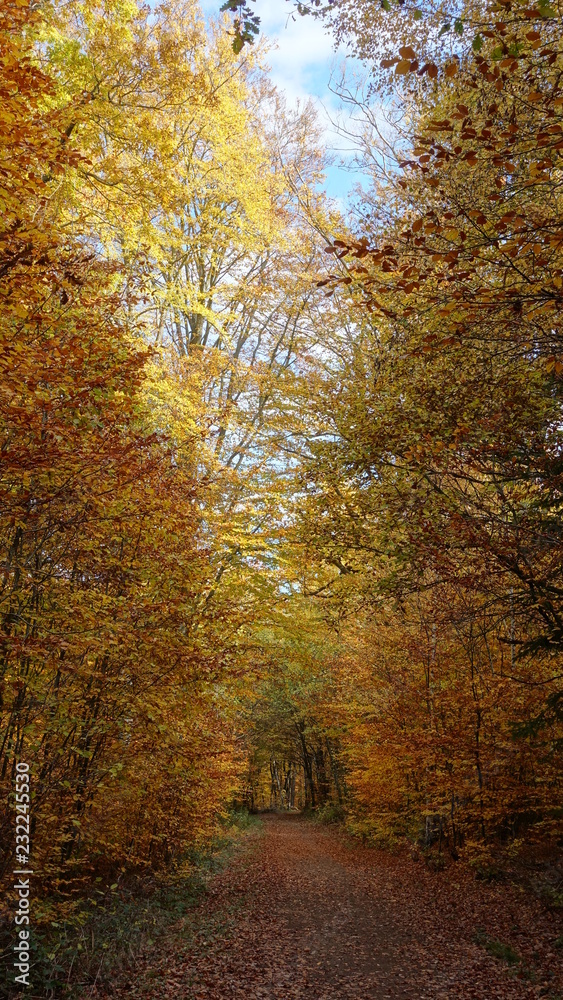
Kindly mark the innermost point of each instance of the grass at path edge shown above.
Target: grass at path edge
(109, 932)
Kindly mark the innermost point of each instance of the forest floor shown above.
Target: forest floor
(303, 911)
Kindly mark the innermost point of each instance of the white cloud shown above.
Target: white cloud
(303, 61)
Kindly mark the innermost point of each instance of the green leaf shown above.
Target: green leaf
(458, 26)
(444, 29)
(417, 15)
(477, 43)
(545, 9)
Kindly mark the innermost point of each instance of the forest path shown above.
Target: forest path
(303, 912)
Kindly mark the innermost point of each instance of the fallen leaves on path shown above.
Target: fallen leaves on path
(306, 913)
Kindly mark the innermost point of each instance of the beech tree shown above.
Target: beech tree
(434, 497)
(148, 371)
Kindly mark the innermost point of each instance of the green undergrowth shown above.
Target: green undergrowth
(498, 949)
(117, 923)
(329, 814)
(504, 953)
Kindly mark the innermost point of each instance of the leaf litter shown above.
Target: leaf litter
(307, 912)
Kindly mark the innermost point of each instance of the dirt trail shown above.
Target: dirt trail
(305, 913)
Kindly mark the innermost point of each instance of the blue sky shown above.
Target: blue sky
(302, 64)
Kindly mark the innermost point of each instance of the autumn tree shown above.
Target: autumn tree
(113, 660)
(432, 496)
(150, 370)
(215, 217)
